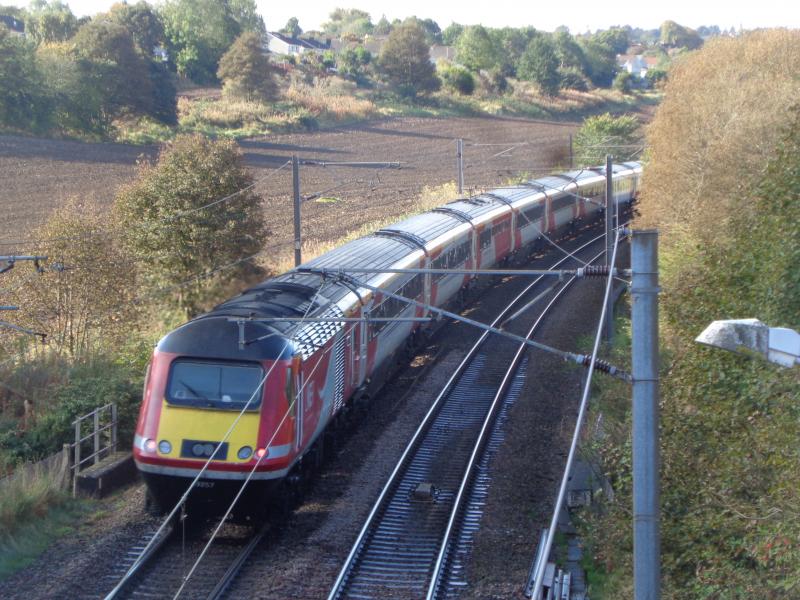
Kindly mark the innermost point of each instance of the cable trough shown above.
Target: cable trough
(419, 532)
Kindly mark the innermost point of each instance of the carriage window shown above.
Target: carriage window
(562, 201)
(214, 385)
(501, 227)
(532, 215)
(486, 238)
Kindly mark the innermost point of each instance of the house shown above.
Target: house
(438, 53)
(279, 43)
(637, 64)
(15, 26)
(374, 43)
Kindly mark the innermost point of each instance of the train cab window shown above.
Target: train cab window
(214, 385)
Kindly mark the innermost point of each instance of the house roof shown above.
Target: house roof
(13, 23)
(306, 43)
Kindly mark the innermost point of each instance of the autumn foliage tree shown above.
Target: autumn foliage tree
(84, 299)
(721, 185)
(191, 214)
(245, 70)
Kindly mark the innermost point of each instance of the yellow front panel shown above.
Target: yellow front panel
(178, 423)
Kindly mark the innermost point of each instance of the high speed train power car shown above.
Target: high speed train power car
(247, 390)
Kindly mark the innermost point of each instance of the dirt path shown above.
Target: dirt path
(39, 175)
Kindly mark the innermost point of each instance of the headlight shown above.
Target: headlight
(149, 445)
(245, 452)
(164, 447)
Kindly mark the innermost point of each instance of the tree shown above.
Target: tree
(90, 302)
(166, 228)
(119, 70)
(348, 21)
(476, 49)
(382, 27)
(292, 28)
(616, 38)
(606, 134)
(22, 100)
(569, 52)
(540, 65)
(431, 27)
(142, 22)
(50, 22)
(245, 70)
(678, 36)
(451, 33)
(601, 62)
(405, 61)
(353, 62)
(200, 31)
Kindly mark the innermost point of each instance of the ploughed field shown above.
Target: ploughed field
(39, 175)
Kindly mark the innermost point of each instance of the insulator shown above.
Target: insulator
(594, 271)
(603, 366)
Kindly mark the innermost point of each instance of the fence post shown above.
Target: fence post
(96, 423)
(77, 461)
(113, 427)
(65, 469)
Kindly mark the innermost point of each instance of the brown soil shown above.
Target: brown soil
(39, 175)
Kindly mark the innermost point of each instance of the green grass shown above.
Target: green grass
(33, 513)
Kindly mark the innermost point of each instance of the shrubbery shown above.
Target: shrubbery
(728, 212)
(457, 78)
(606, 134)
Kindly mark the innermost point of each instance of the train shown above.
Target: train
(249, 391)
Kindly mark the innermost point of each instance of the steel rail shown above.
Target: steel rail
(441, 565)
(227, 579)
(152, 548)
(338, 586)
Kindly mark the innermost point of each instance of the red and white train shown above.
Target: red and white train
(256, 381)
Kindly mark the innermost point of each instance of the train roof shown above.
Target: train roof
(426, 226)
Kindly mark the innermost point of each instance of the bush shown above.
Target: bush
(606, 134)
(82, 387)
(623, 82)
(457, 78)
(573, 79)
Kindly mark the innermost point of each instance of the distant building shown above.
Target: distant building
(15, 26)
(637, 64)
(438, 53)
(279, 43)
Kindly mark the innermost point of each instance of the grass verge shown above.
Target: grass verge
(34, 511)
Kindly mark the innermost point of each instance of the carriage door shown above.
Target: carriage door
(338, 375)
(294, 394)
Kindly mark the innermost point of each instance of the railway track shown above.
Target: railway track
(162, 572)
(419, 532)
(452, 504)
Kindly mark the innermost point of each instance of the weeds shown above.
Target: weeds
(33, 510)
